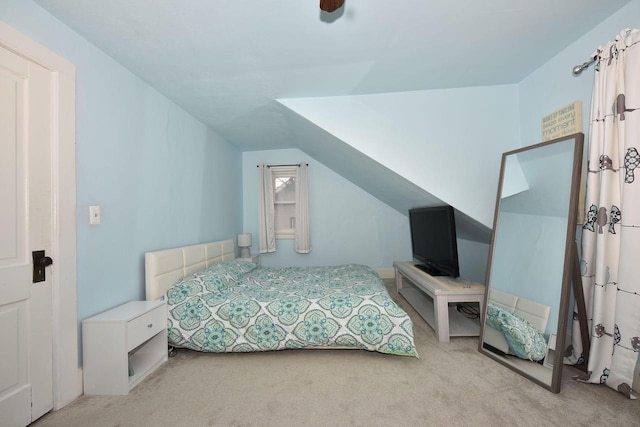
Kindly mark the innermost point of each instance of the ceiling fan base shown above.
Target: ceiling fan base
(331, 5)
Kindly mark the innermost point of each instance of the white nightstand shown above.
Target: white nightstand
(122, 346)
(254, 259)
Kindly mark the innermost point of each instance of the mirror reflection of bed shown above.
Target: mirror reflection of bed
(521, 319)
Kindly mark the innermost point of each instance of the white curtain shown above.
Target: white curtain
(302, 241)
(611, 233)
(266, 214)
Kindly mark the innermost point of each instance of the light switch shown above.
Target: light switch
(94, 214)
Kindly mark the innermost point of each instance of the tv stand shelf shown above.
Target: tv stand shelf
(434, 298)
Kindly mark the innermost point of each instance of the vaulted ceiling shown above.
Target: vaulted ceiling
(228, 62)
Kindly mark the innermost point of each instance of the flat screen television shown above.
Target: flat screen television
(433, 240)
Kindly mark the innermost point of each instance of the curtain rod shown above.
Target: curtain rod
(580, 68)
(294, 164)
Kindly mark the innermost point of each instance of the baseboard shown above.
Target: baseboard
(79, 391)
(386, 273)
(80, 381)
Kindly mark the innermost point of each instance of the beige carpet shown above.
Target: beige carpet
(451, 384)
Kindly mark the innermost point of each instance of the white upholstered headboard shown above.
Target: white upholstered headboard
(535, 313)
(164, 268)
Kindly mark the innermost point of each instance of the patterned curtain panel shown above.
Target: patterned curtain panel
(611, 233)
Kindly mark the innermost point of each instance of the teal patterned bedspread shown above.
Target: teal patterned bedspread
(238, 306)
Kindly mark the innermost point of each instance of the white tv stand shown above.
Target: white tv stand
(431, 297)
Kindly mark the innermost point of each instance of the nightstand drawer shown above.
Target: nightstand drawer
(144, 327)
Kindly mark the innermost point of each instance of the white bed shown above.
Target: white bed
(216, 304)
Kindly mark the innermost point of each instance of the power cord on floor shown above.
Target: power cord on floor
(468, 311)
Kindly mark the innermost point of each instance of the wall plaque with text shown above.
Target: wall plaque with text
(564, 121)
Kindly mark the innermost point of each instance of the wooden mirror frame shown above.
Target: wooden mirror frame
(570, 272)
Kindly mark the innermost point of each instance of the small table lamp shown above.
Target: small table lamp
(244, 243)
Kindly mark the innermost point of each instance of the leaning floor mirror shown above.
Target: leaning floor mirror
(532, 254)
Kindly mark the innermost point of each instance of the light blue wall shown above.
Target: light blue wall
(553, 85)
(162, 178)
(348, 225)
(447, 142)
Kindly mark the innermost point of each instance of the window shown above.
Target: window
(283, 207)
(284, 200)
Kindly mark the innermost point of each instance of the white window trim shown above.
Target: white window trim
(277, 172)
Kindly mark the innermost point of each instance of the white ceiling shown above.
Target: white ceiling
(226, 62)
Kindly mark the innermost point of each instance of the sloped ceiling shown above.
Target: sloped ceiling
(227, 62)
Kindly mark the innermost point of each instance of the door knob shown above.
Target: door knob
(40, 261)
(45, 261)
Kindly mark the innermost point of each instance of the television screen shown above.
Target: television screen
(433, 240)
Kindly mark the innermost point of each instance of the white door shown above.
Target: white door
(26, 390)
